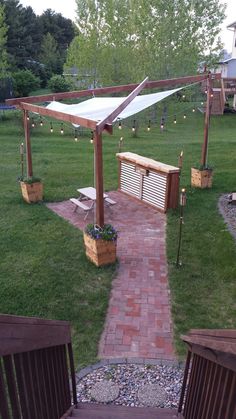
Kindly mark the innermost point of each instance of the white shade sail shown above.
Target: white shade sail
(97, 109)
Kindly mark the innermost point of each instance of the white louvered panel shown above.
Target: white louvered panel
(154, 189)
(129, 179)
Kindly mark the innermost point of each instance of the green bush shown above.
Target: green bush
(59, 84)
(24, 81)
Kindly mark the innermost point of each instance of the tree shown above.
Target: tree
(125, 40)
(3, 41)
(50, 56)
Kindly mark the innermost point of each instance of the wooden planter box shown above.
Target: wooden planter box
(100, 252)
(32, 192)
(201, 178)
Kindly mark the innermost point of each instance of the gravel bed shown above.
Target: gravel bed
(132, 380)
(228, 211)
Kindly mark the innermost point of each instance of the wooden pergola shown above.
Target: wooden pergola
(26, 104)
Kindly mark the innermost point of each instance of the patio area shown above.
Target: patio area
(138, 322)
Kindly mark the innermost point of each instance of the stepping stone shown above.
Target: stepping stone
(152, 395)
(104, 391)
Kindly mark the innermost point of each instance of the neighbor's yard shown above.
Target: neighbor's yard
(43, 269)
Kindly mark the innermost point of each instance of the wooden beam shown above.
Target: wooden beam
(88, 123)
(99, 179)
(28, 145)
(207, 121)
(111, 89)
(113, 115)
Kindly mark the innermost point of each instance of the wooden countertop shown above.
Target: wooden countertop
(147, 163)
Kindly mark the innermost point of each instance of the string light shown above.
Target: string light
(33, 123)
(51, 127)
(28, 118)
(76, 135)
(212, 95)
(62, 129)
(149, 125)
(120, 125)
(185, 116)
(183, 96)
(134, 126)
(194, 110)
(91, 139)
(162, 124)
(175, 120)
(41, 122)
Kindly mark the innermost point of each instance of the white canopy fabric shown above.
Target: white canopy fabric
(97, 109)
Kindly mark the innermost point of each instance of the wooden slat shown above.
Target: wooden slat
(4, 407)
(23, 396)
(11, 383)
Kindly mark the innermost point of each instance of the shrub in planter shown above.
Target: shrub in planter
(201, 177)
(100, 244)
(32, 189)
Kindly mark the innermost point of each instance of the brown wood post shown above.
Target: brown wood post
(28, 145)
(207, 121)
(99, 179)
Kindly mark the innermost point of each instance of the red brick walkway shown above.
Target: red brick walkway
(138, 323)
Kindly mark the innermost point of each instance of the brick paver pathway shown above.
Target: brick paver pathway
(138, 322)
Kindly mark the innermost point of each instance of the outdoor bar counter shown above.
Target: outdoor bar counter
(148, 180)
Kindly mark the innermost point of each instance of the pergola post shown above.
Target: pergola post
(28, 145)
(99, 179)
(207, 120)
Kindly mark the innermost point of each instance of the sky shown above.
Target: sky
(67, 9)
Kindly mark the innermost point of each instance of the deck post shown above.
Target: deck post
(207, 121)
(28, 145)
(99, 179)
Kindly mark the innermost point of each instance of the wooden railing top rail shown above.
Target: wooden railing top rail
(21, 334)
(215, 340)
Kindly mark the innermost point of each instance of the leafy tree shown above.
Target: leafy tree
(62, 29)
(3, 40)
(50, 55)
(125, 40)
(24, 81)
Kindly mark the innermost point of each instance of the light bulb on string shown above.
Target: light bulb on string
(51, 127)
(120, 125)
(62, 129)
(41, 123)
(175, 120)
(202, 103)
(185, 116)
(162, 124)
(193, 110)
(133, 127)
(28, 118)
(76, 135)
(33, 123)
(91, 139)
(183, 96)
(212, 94)
(149, 125)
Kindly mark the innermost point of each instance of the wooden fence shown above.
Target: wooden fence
(209, 386)
(36, 364)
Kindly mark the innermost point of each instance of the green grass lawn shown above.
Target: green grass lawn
(43, 268)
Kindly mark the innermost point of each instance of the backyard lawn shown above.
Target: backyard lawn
(43, 268)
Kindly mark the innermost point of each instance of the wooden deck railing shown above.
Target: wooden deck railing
(209, 387)
(36, 365)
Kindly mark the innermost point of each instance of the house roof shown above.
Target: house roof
(227, 61)
(232, 25)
